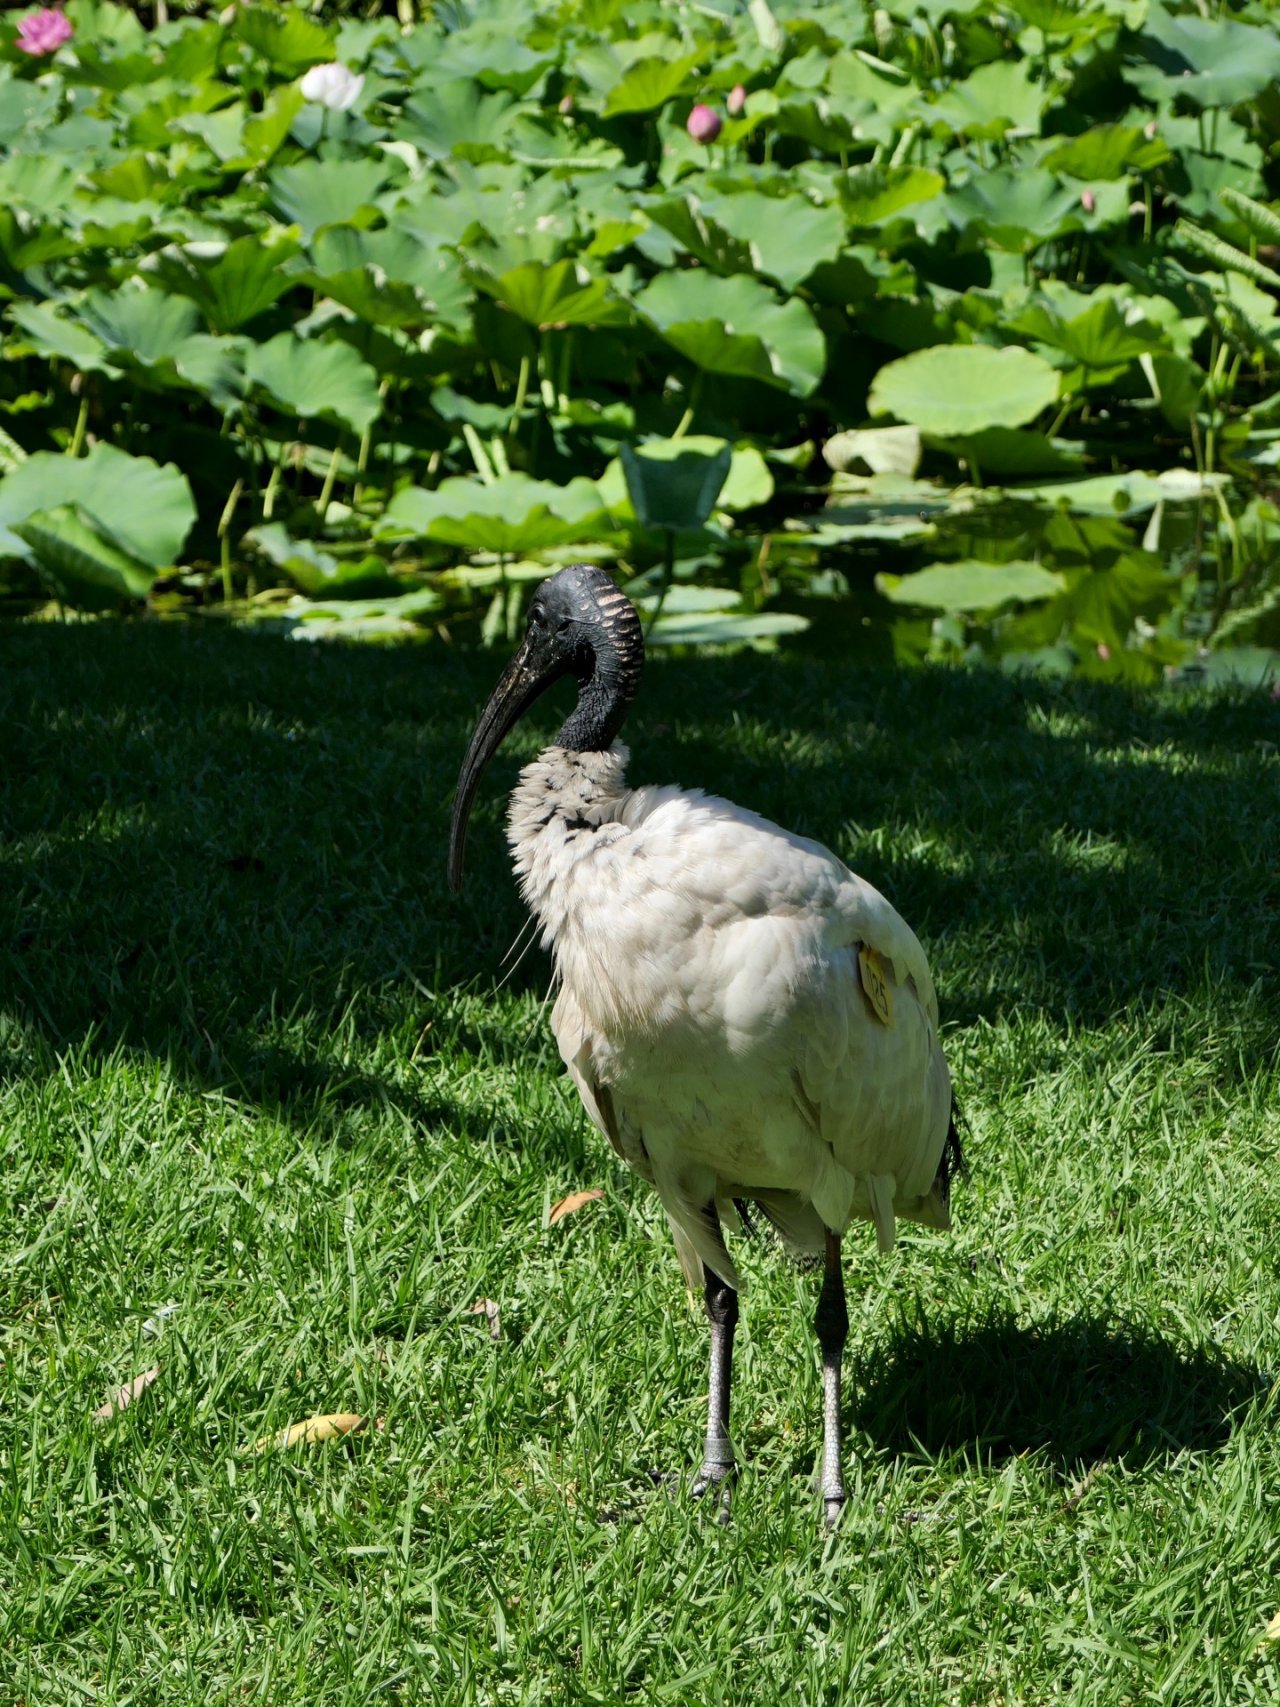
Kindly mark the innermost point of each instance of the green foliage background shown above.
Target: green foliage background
(960, 336)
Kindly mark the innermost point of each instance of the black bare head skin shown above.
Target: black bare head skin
(579, 624)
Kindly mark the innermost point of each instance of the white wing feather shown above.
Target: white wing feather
(712, 1013)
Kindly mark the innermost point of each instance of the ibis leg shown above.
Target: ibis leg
(718, 1463)
(832, 1324)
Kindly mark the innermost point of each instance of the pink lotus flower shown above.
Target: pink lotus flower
(736, 100)
(703, 124)
(43, 31)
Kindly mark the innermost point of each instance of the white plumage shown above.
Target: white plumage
(744, 1017)
(712, 1012)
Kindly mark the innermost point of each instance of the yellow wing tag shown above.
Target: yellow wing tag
(875, 981)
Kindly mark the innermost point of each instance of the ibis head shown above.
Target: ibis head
(579, 625)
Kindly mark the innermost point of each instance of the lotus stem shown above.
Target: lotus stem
(273, 480)
(326, 491)
(82, 422)
(691, 409)
(224, 534)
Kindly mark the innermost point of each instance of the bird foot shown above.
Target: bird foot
(715, 1475)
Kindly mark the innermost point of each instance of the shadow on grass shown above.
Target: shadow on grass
(1077, 1392)
(204, 831)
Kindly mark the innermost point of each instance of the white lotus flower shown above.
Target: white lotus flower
(332, 86)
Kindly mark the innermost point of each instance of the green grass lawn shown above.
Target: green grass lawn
(257, 1064)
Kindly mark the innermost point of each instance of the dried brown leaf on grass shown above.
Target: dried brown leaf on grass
(489, 1308)
(124, 1396)
(574, 1201)
(313, 1429)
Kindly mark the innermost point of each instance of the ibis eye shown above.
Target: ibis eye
(538, 615)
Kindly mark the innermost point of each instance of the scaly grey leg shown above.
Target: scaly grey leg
(718, 1463)
(832, 1324)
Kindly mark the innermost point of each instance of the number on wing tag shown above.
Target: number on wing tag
(875, 982)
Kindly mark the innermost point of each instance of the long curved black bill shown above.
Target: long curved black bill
(521, 683)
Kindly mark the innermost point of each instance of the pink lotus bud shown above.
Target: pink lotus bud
(703, 124)
(566, 104)
(1150, 130)
(1103, 650)
(737, 100)
(43, 31)
(1088, 201)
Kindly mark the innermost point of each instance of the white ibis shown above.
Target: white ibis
(745, 1018)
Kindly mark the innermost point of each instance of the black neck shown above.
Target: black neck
(605, 692)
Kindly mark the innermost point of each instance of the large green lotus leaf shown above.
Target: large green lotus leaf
(692, 225)
(1130, 494)
(310, 378)
(1063, 17)
(1020, 207)
(870, 99)
(231, 283)
(78, 563)
(354, 266)
(372, 297)
(737, 326)
(327, 192)
(458, 119)
(1100, 337)
(52, 335)
(971, 586)
(512, 515)
(26, 241)
(134, 177)
(192, 49)
(26, 109)
(1215, 62)
(146, 326)
(649, 83)
(39, 181)
(747, 483)
(145, 508)
(673, 484)
(552, 146)
(222, 132)
(1008, 450)
(383, 620)
(872, 194)
(684, 615)
(265, 131)
(875, 450)
(1178, 385)
(315, 571)
(785, 236)
(495, 213)
(284, 36)
(562, 294)
(496, 57)
(997, 98)
(214, 366)
(952, 389)
(1106, 152)
(724, 628)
